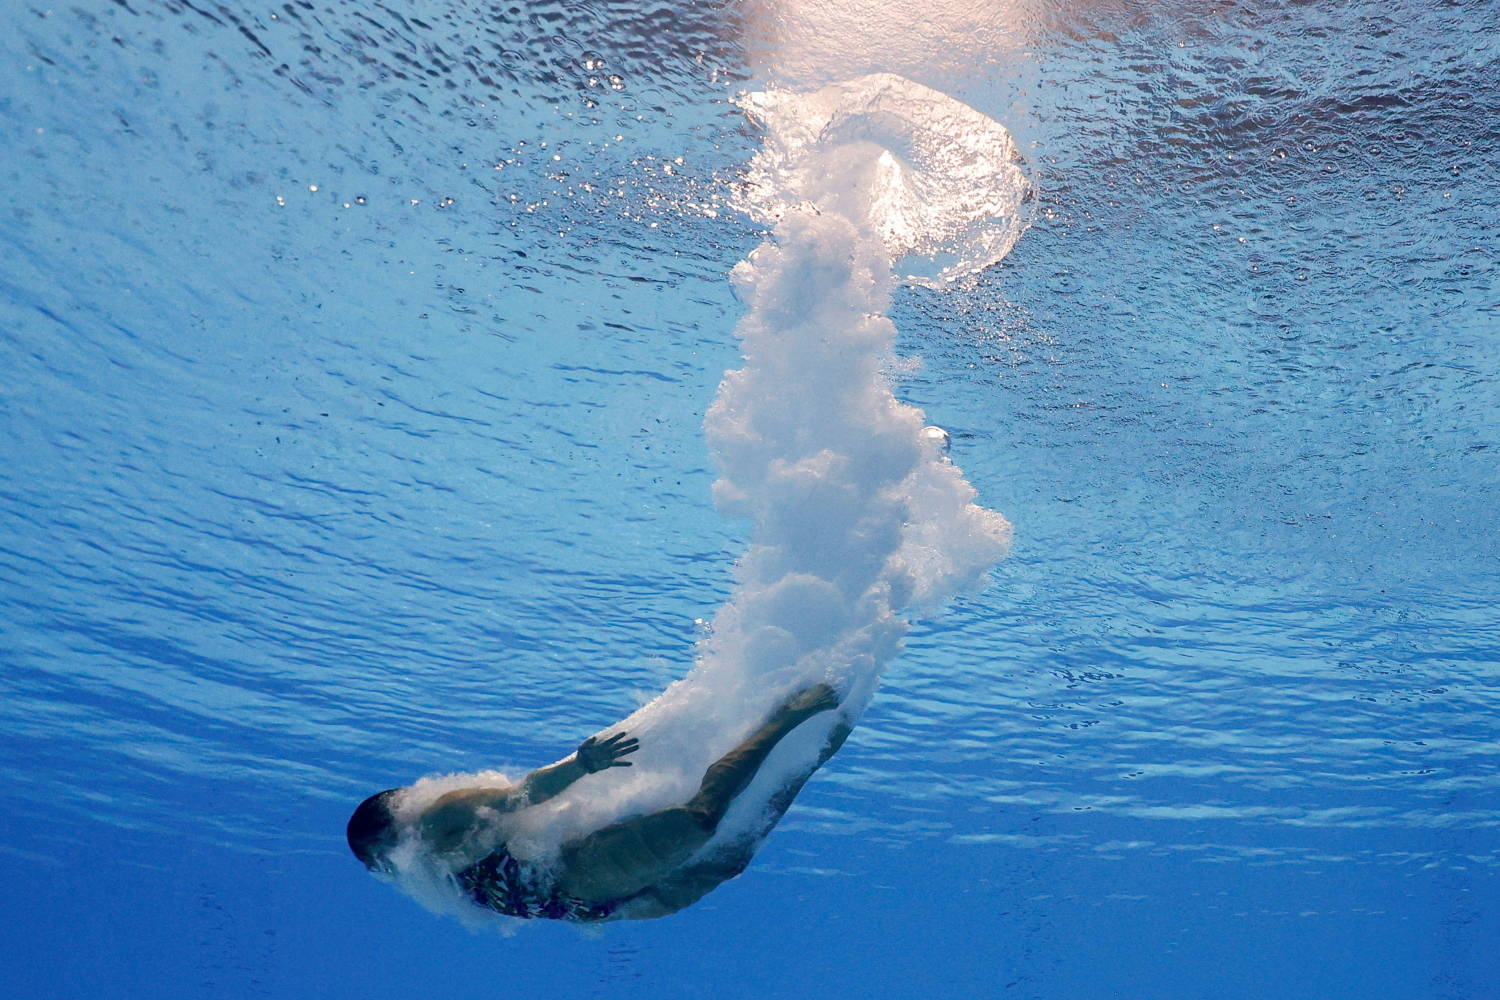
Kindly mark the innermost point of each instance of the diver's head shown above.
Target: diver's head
(372, 829)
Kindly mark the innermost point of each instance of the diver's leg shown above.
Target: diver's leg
(685, 886)
(624, 858)
(782, 800)
(729, 775)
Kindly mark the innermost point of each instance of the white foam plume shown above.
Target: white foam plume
(858, 517)
(939, 182)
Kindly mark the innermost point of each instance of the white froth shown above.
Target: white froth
(940, 182)
(857, 515)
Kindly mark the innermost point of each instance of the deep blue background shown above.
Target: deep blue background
(307, 493)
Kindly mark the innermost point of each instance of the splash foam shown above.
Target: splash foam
(858, 518)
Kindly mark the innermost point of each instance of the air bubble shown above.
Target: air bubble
(935, 438)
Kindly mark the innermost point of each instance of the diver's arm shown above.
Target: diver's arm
(448, 820)
(593, 755)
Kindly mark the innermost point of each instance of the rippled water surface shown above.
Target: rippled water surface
(353, 360)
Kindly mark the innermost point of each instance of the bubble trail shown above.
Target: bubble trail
(858, 517)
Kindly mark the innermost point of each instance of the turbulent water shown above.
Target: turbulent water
(353, 369)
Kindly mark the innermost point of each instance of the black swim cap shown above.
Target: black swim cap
(371, 827)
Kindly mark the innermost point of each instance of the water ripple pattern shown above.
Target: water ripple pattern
(353, 363)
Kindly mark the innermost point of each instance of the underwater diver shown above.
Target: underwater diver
(639, 868)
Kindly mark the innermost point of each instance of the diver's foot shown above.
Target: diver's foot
(810, 701)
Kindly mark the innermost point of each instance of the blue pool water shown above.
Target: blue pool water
(353, 363)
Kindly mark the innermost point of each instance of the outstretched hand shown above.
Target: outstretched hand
(596, 754)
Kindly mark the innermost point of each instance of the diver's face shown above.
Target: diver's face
(378, 862)
(376, 857)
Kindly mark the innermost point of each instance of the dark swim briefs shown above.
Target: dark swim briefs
(501, 883)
